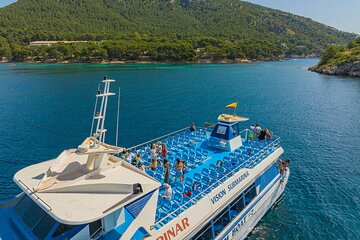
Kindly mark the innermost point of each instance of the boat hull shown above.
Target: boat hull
(243, 225)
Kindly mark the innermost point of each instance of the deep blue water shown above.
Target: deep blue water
(48, 108)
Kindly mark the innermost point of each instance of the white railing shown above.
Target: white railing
(30, 192)
(253, 159)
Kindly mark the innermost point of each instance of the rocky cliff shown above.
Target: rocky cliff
(340, 60)
(349, 69)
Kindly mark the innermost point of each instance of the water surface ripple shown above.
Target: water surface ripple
(48, 108)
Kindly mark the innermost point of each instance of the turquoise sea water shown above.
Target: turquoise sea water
(47, 108)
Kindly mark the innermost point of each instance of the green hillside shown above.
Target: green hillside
(227, 22)
(340, 60)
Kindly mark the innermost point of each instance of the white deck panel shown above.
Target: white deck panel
(83, 199)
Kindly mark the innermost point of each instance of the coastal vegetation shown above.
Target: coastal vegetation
(340, 60)
(153, 49)
(158, 30)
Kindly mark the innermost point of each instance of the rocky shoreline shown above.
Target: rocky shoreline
(351, 69)
(200, 61)
(143, 61)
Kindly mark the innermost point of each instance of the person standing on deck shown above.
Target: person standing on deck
(153, 164)
(192, 127)
(163, 151)
(141, 167)
(166, 171)
(159, 148)
(283, 165)
(252, 132)
(138, 159)
(130, 156)
(153, 153)
(264, 134)
(168, 191)
(179, 170)
(257, 130)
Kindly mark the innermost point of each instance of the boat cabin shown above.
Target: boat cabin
(225, 135)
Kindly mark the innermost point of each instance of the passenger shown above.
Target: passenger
(130, 156)
(159, 162)
(133, 162)
(268, 133)
(287, 161)
(153, 165)
(163, 150)
(166, 171)
(159, 147)
(281, 167)
(153, 152)
(257, 130)
(248, 151)
(252, 128)
(196, 186)
(168, 192)
(264, 134)
(138, 159)
(252, 133)
(179, 170)
(284, 166)
(141, 167)
(183, 171)
(187, 194)
(219, 163)
(192, 127)
(122, 154)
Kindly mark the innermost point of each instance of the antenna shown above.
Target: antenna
(118, 119)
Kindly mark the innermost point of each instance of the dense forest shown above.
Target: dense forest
(179, 30)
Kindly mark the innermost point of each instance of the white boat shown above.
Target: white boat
(90, 192)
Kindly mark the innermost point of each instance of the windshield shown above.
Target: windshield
(38, 221)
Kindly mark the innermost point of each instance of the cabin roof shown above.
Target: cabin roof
(83, 198)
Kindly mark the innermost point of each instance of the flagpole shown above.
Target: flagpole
(236, 107)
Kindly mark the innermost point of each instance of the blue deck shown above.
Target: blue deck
(200, 161)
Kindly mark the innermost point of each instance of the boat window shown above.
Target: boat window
(23, 205)
(63, 228)
(28, 211)
(267, 177)
(237, 206)
(205, 233)
(43, 228)
(95, 228)
(34, 217)
(220, 131)
(232, 133)
(221, 221)
(236, 129)
(250, 194)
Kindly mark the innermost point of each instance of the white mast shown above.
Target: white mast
(100, 116)
(117, 119)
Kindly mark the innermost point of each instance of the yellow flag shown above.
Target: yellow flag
(232, 105)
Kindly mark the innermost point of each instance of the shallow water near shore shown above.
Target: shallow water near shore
(46, 108)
